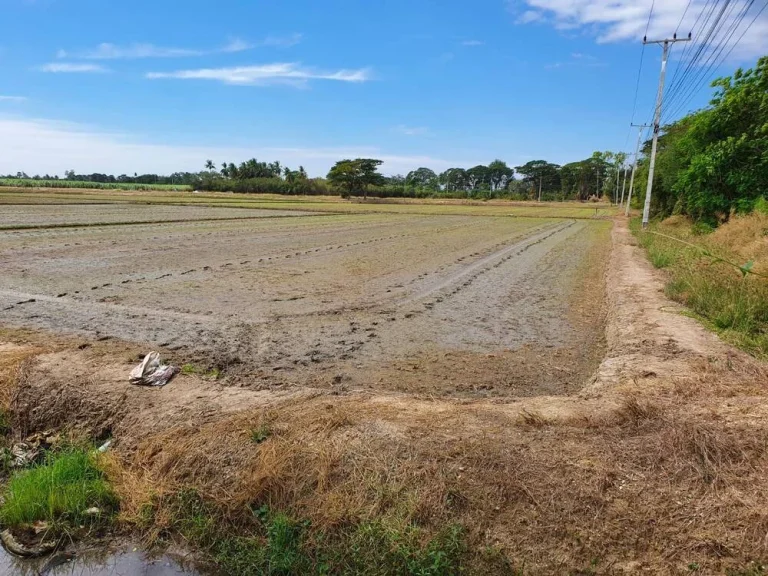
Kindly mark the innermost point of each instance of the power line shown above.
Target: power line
(682, 17)
(702, 46)
(639, 73)
(675, 84)
(712, 54)
(684, 93)
(714, 60)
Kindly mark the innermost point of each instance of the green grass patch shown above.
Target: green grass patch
(269, 542)
(260, 434)
(58, 491)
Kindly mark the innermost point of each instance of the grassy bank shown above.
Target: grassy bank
(263, 541)
(720, 275)
(67, 490)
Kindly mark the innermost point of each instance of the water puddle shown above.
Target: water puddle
(123, 560)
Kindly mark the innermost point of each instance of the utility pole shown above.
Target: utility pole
(616, 193)
(541, 177)
(657, 117)
(640, 128)
(623, 185)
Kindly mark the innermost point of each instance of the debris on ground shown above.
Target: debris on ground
(152, 373)
(32, 448)
(14, 546)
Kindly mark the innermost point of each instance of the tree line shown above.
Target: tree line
(593, 177)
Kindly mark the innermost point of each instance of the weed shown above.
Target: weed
(59, 491)
(214, 373)
(260, 434)
(274, 543)
(661, 258)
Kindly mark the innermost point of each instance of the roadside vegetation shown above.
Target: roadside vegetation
(712, 163)
(710, 199)
(721, 276)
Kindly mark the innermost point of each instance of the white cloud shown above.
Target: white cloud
(279, 73)
(136, 51)
(529, 16)
(472, 43)
(12, 98)
(70, 67)
(626, 20)
(412, 130)
(38, 146)
(236, 45)
(283, 41)
(578, 59)
(107, 51)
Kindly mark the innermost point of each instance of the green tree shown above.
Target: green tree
(540, 176)
(478, 178)
(356, 175)
(454, 180)
(422, 178)
(499, 174)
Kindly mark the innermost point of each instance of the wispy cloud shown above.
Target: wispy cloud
(290, 73)
(412, 130)
(472, 43)
(529, 16)
(283, 41)
(107, 51)
(136, 51)
(73, 67)
(626, 20)
(578, 59)
(5, 98)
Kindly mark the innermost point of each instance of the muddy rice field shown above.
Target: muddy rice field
(426, 303)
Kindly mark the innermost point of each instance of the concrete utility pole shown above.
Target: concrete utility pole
(640, 127)
(657, 117)
(541, 178)
(623, 185)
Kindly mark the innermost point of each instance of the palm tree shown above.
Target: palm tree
(209, 165)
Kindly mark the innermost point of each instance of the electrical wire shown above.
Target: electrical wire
(710, 66)
(675, 83)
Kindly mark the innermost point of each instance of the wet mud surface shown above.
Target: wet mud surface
(434, 305)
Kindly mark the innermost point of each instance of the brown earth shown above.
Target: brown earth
(658, 465)
(446, 305)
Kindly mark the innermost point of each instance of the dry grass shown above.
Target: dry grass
(12, 358)
(746, 236)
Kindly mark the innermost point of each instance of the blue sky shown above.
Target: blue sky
(161, 86)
